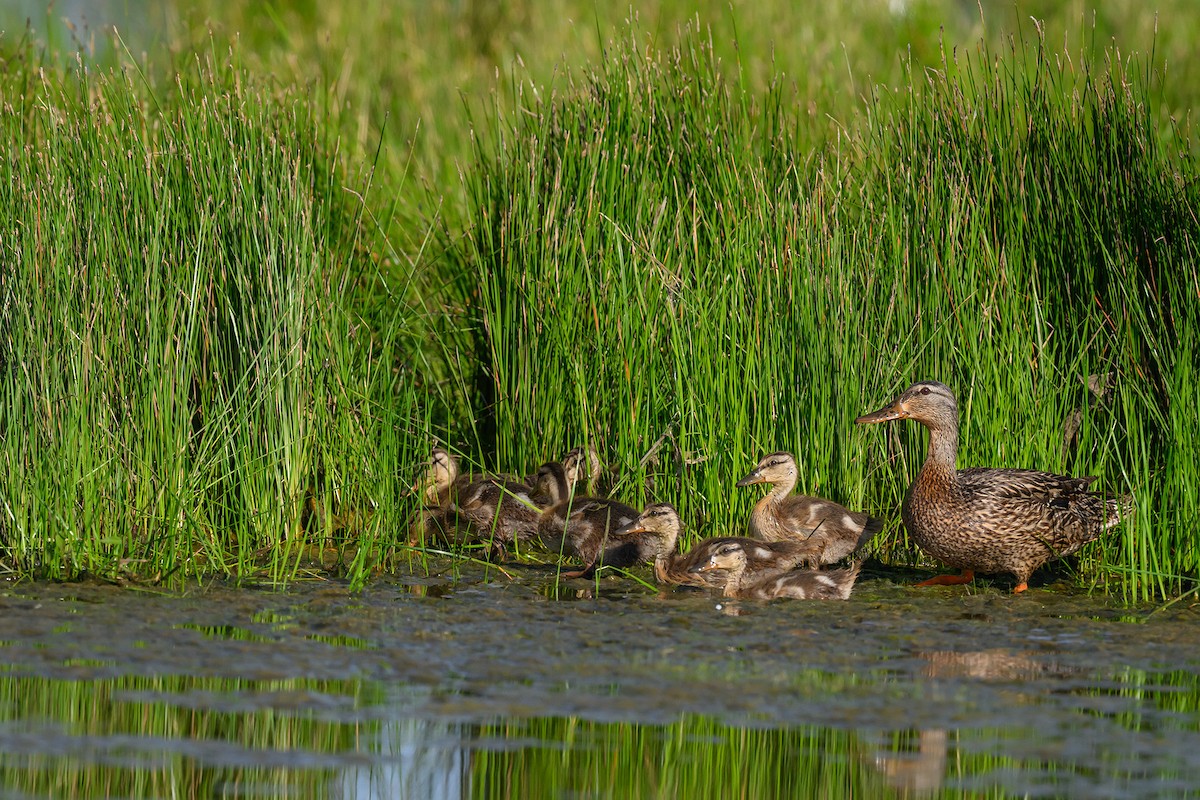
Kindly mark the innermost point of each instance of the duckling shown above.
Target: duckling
(441, 477)
(499, 511)
(437, 520)
(550, 489)
(580, 462)
(586, 528)
(594, 538)
(987, 519)
(833, 531)
(811, 584)
(763, 560)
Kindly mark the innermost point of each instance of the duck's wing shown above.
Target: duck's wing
(1057, 510)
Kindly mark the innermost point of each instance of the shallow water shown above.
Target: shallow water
(472, 684)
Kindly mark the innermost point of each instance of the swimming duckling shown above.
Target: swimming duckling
(647, 537)
(832, 530)
(763, 560)
(585, 528)
(991, 520)
(810, 584)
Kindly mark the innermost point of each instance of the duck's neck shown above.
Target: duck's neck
(939, 461)
(779, 491)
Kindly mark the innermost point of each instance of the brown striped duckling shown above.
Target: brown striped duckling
(437, 520)
(647, 537)
(498, 510)
(832, 530)
(583, 463)
(763, 560)
(586, 528)
(809, 584)
(986, 519)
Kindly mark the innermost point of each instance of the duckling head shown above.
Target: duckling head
(660, 520)
(583, 463)
(775, 468)
(728, 556)
(552, 481)
(439, 475)
(928, 402)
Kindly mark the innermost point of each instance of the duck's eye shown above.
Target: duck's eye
(924, 390)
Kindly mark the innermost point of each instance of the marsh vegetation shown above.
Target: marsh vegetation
(255, 265)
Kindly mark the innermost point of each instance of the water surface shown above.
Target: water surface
(468, 684)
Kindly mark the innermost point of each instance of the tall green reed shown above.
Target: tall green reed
(186, 388)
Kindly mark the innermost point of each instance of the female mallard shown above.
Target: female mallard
(832, 531)
(731, 559)
(990, 520)
(763, 560)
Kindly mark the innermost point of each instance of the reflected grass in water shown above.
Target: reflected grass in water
(169, 736)
(152, 736)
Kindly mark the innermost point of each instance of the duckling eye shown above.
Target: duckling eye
(924, 390)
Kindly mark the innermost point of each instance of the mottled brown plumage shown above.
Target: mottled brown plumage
(583, 528)
(763, 560)
(831, 530)
(991, 520)
(731, 559)
(583, 463)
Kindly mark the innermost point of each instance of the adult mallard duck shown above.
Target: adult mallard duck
(832, 531)
(990, 520)
(731, 559)
(763, 560)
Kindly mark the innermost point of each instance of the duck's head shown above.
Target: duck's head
(439, 475)
(659, 519)
(552, 481)
(728, 556)
(928, 402)
(583, 463)
(775, 468)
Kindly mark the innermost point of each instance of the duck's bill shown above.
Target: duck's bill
(750, 479)
(885, 414)
(632, 527)
(707, 566)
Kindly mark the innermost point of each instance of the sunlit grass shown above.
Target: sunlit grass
(187, 386)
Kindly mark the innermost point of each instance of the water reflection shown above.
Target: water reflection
(918, 769)
(495, 689)
(410, 758)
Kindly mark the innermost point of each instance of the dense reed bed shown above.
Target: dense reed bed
(672, 266)
(241, 310)
(185, 388)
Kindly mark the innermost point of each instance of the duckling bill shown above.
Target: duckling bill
(990, 519)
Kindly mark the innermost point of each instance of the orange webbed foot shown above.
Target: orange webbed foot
(1020, 587)
(949, 580)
